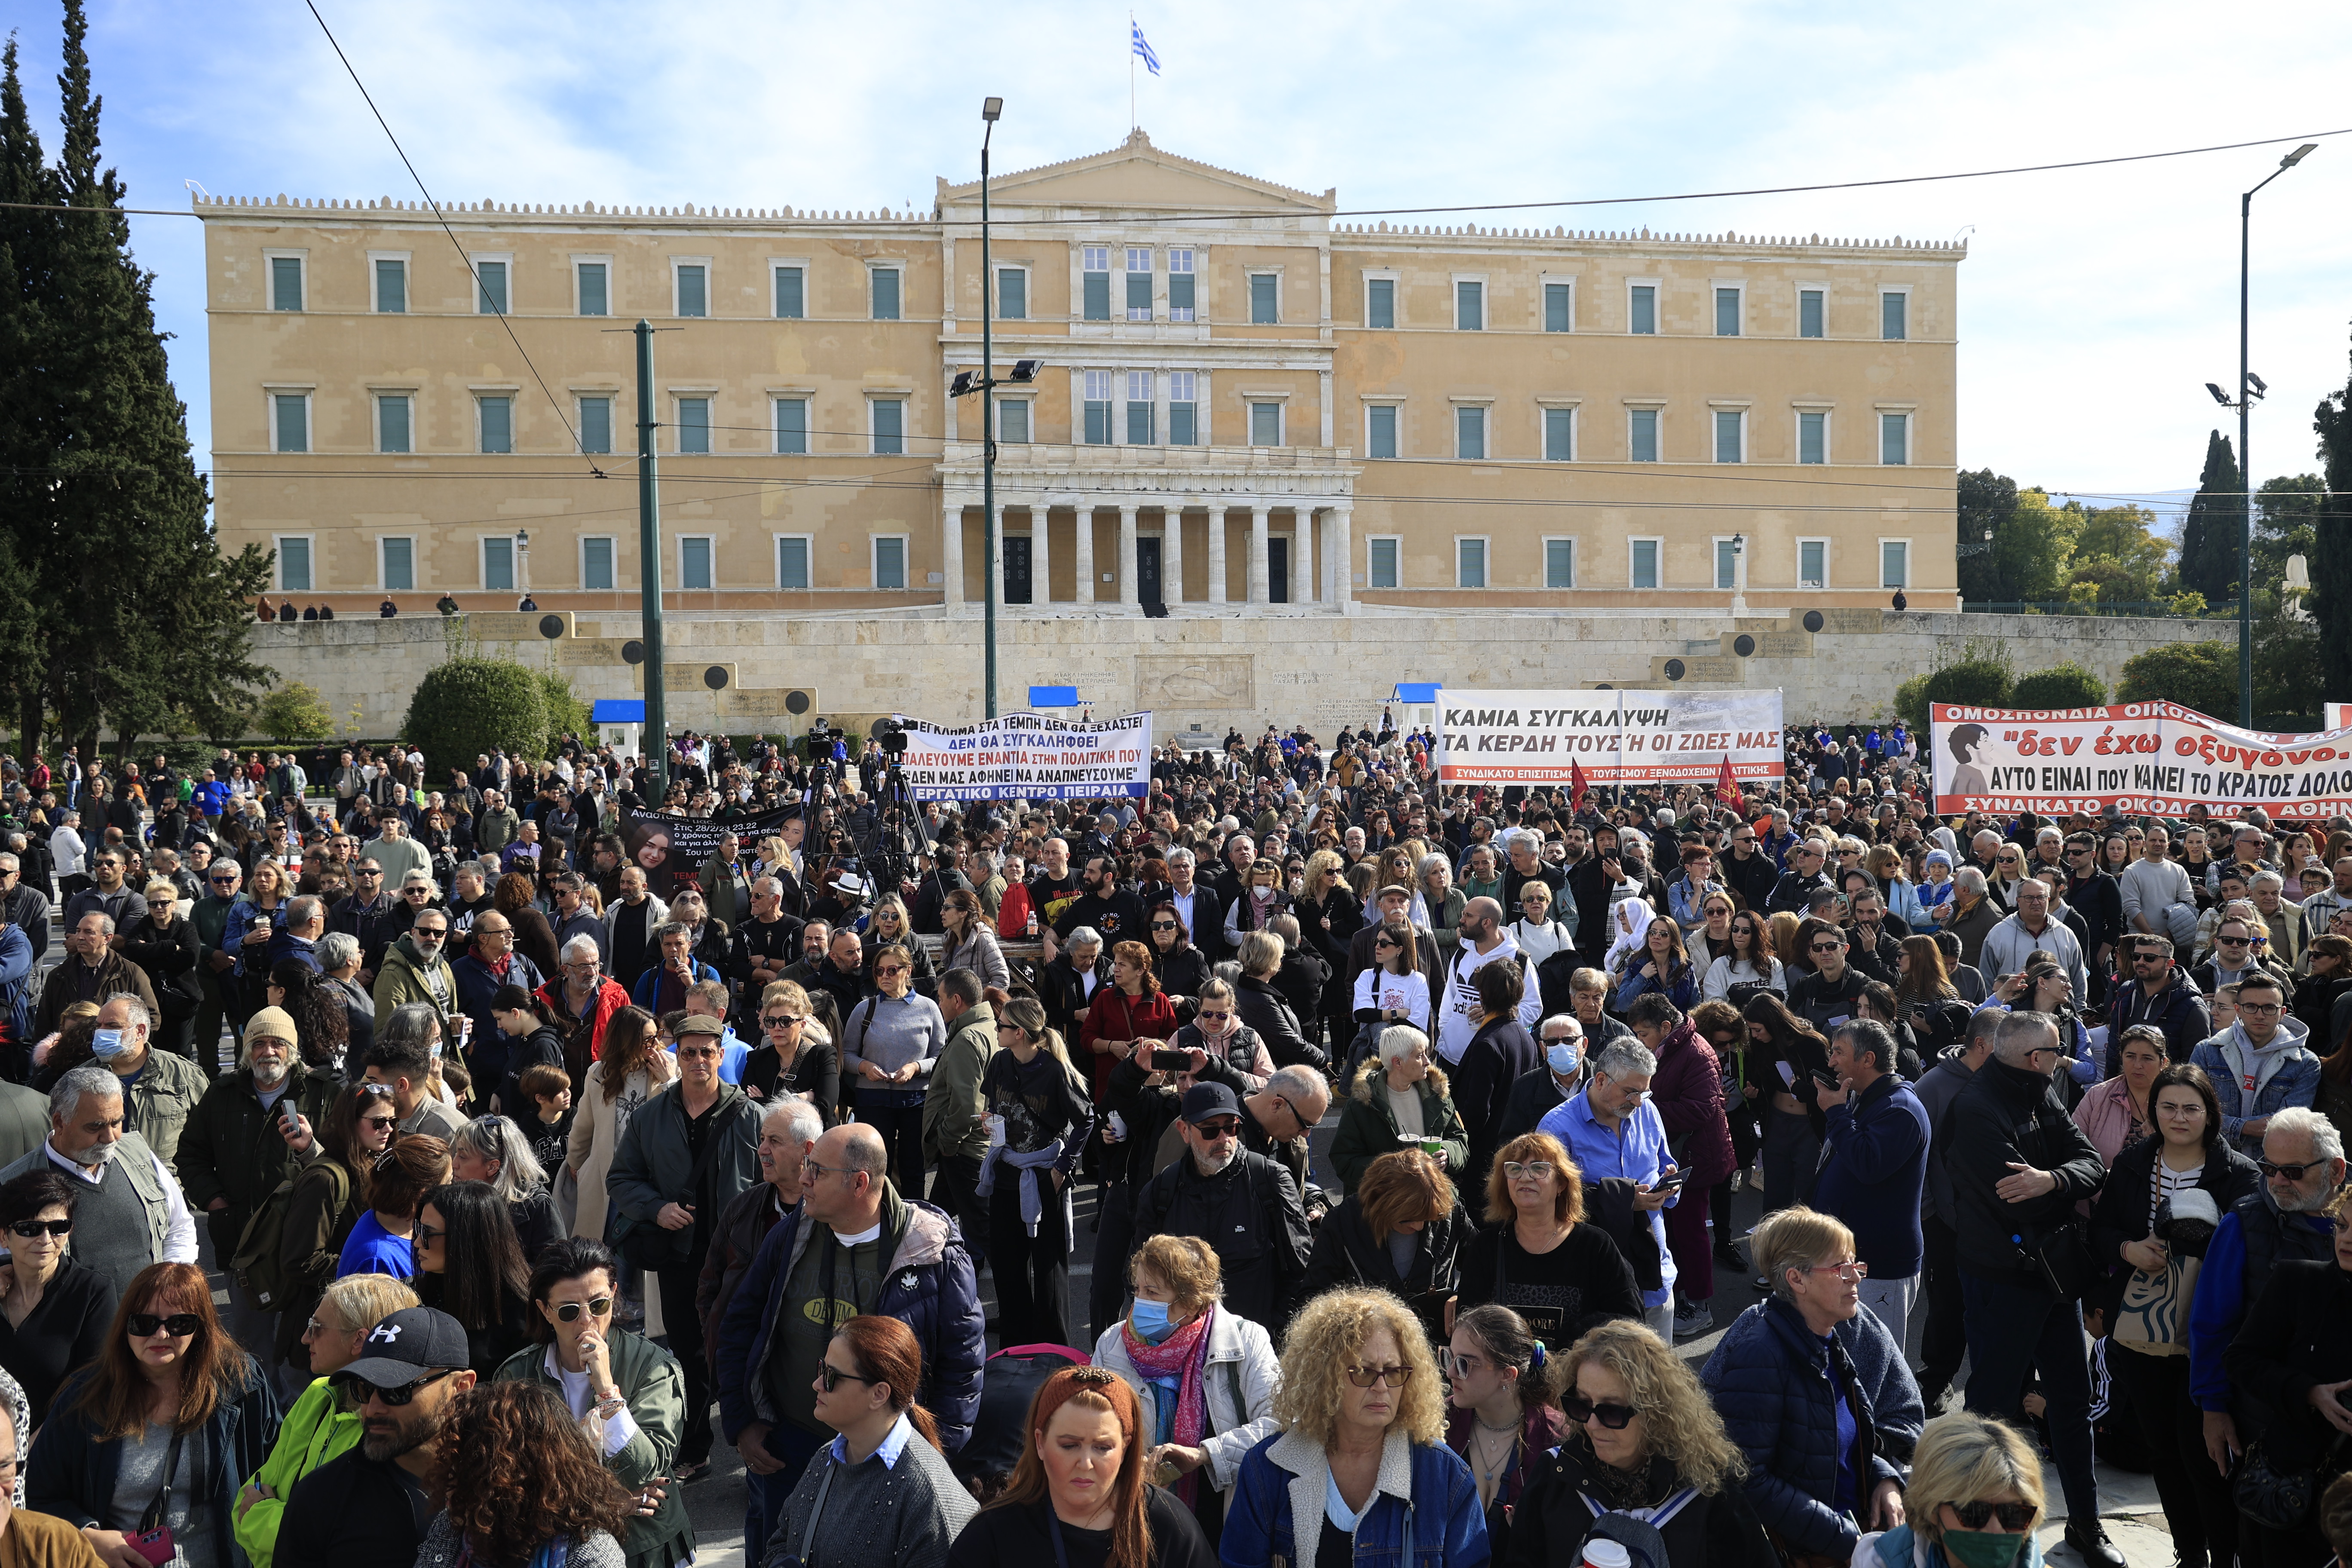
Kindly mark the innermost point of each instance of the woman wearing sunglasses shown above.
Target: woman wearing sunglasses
(623, 1387)
(55, 1313)
(156, 1433)
(1975, 1501)
(470, 1265)
(1641, 1436)
(393, 1184)
(326, 1202)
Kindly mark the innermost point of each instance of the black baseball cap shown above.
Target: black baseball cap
(407, 1345)
(1204, 1101)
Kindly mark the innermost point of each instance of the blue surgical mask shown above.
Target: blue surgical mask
(106, 1044)
(1150, 1322)
(1563, 1057)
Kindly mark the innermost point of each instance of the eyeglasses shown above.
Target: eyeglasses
(2015, 1517)
(1579, 1410)
(2260, 1009)
(569, 1311)
(1456, 1364)
(428, 1234)
(1541, 1170)
(1228, 1128)
(1392, 1376)
(832, 1376)
(179, 1325)
(361, 1389)
(29, 1229)
(808, 1166)
(1850, 1270)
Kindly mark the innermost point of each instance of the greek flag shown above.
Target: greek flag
(1143, 49)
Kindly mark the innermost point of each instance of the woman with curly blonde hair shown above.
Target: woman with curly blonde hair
(1363, 1447)
(1641, 1435)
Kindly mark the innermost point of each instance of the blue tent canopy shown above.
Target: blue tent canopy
(1417, 690)
(619, 710)
(1053, 697)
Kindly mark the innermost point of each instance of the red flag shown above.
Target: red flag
(1576, 784)
(1727, 788)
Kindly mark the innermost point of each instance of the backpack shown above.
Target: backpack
(1009, 1385)
(258, 1264)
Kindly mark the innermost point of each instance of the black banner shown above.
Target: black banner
(670, 850)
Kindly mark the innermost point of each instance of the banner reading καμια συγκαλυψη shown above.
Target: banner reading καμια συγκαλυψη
(1616, 737)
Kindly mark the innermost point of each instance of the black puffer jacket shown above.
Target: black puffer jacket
(1347, 1254)
(1265, 1010)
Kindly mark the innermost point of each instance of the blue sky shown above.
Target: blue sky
(2094, 305)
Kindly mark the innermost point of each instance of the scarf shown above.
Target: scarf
(1184, 1355)
(501, 965)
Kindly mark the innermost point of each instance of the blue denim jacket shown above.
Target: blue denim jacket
(1424, 1495)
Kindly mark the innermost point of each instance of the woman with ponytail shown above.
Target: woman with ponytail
(1505, 1409)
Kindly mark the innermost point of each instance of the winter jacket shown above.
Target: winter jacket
(1368, 1125)
(2122, 1211)
(1551, 1520)
(1424, 1501)
(231, 1148)
(1239, 1376)
(2250, 1085)
(168, 955)
(2254, 1237)
(1687, 1089)
(2007, 945)
(1250, 1213)
(2294, 1340)
(117, 976)
(1265, 1009)
(652, 1166)
(315, 1430)
(1497, 1056)
(649, 1379)
(404, 979)
(1770, 1380)
(2179, 1010)
(1349, 1256)
(951, 1103)
(735, 1240)
(648, 988)
(1874, 1174)
(2007, 1115)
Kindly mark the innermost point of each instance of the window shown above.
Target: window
(693, 279)
(1381, 430)
(391, 423)
(1469, 305)
(1894, 315)
(594, 281)
(1012, 420)
(391, 287)
(1727, 313)
(1265, 298)
(1470, 432)
(1730, 432)
(1380, 303)
(490, 287)
(1559, 308)
(1644, 562)
(1643, 435)
(1179, 286)
(1469, 562)
(1895, 439)
(1727, 564)
(498, 562)
(1265, 424)
(1559, 435)
(396, 564)
(885, 287)
(1560, 563)
(1138, 405)
(792, 424)
(497, 419)
(890, 562)
(597, 424)
(694, 425)
(693, 561)
(596, 561)
(1812, 563)
(294, 563)
(1183, 399)
(1098, 401)
(1894, 563)
(1812, 436)
(889, 416)
(1094, 282)
(1138, 283)
(793, 561)
(1641, 314)
(1012, 293)
(792, 293)
(1811, 312)
(1382, 553)
(291, 412)
(285, 282)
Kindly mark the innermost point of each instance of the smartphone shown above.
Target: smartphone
(1825, 1077)
(1167, 1059)
(286, 1113)
(1670, 1181)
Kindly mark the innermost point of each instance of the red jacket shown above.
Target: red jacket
(1116, 1016)
(610, 999)
(1687, 1089)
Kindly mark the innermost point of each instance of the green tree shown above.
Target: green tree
(568, 714)
(2330, 602)
(2033, 552)
(2286, 523)
(2119, 553)
(2217, 521)
(2059, 686)
(466, 707)
(1987, 503)
(1911, 703)
(294, 712)
(2199, 675)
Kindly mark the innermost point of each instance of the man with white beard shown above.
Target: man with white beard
(128, 1210)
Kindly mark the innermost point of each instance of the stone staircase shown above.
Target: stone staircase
(1723, 662)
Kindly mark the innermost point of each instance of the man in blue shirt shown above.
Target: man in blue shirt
(1873, 1170)
(1613, 1130)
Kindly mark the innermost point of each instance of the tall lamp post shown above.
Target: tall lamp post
(1739, 575)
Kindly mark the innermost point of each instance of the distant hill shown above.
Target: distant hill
(2170, 507)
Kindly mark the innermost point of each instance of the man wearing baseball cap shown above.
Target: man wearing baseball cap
(1245, 1205)
(368, 1508)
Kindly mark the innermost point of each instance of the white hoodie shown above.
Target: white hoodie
(1457, 1010)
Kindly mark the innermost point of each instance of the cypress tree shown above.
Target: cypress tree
(2217, 521)
(2330, 601)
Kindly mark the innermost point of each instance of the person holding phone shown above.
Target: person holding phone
(1129, 1014)
(1611, 1129)
(1038, 1121)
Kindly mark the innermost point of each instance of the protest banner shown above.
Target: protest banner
(1610, 737)
(1028, 757)
(2146, 759)
(670, 850)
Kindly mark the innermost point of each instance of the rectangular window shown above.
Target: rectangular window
(694, 425)
(1012, 293)
(1138, 284)
(1559, 435)
(1381, 430)
(1642, 431)
(285, 282)
(1645, 562)
(1470, 433)
(1727, 313)
(391, 423)
(693, 290)
(1098, 401)
(1380, 303)
(1381, 555)
(399, 568)
(294, 566)
(391, 287)
(293, 415)
(1893, 316)
(1183, 404)
(1469, 562)
(889, 426)
(597, 424)
(596, 562)
(1559, 308)
(1642, 311)
(490, 293)
(1811, 312)
(1139, 410)
(594, 279)
(793, 562)
(1094, 282)
(1560, 563)
(791, 426)
(1730, 426)
(792, 293)
(1894, 563)
(1812, 438)
(1265, 424)
(498, 562)
(1265, 298)
(885, 293)
(1180, 285)
(1469, 305)
(890, 561)
(1012, 420)
(1812, 563)
(1727, 564)
(693, 561)
(497, 416)
(1895, 439)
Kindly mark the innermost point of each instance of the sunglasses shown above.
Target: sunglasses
(1826, 947)
(569, 1311)
(1392, 1376)
(1163, 925)
(888, 971)
(1220, 1017)
(2015, 1517)
(179, 1325)
(360, 1389)
(1579, 1410)
(832, 1376)
(29, 1229)
(428, 1234)
(781, 1020)
(1231, 1128)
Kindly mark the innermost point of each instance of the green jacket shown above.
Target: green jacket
(316, 1430)
(402, 980)
(649, 1379)
(951, 1105)
(652, 1167)
(1368, 1128)
(231, 1149)
(159, 1103)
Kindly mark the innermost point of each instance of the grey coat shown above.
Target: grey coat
(907, 1514)
(652, 1166)
(442, 1543)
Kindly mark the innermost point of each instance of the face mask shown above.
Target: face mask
(1982, 1548)
(106, 1044)
(1149, 1319)
(1563, 1057)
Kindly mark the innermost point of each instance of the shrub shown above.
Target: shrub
(467, 706)
(1911, 703)
(567, 711)
(294, 712)
(2199, 675)
(1979, 676)
(2060, 685)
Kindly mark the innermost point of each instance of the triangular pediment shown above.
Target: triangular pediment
(1137, 176)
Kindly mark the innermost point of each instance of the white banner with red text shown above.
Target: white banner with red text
(1614, 736)
(2146, 759)
(1028, 757)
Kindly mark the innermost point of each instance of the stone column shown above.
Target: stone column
(1343, 563)
(951, 554)
(1129, 593)
(1171, 554)
(1258, 587)
(1085, 558)
(1217, 509)
(1003, 507)
(1041, 560)
(1305, 588)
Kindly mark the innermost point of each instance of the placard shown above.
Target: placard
(1616, 737)
(670, 850)
(1028, 757)
(2146, 759)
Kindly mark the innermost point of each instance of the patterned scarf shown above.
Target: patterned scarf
(1182, 1355)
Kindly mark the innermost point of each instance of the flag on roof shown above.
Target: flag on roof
(1143, 47)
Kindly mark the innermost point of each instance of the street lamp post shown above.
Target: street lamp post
(1739, 575)
(988, 111)
(2246, 396)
